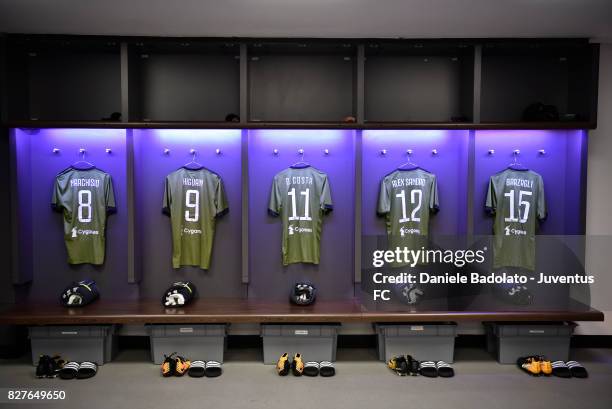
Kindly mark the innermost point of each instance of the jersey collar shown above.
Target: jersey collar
(82, 166)
(408, 167)
(518, 167)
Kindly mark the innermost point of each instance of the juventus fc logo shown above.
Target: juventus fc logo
(412, 294)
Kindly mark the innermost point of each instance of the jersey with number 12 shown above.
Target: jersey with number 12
(406, 199)
(301, 196)
(194, 199)
(84, 196)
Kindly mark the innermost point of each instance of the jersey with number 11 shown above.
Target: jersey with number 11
(84, 196)
(301, 196)
(194, 198)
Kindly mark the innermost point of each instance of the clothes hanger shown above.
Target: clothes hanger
(516, 165)
(193, 165)
(82, 164)
(409, 165)
(301, 163)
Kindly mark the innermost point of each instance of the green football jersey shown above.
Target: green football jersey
(84, 196)
(301, 196)
(406, 199)
(194, 199)
(516, 199)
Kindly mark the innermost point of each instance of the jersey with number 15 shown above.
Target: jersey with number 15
(84, 196)
(516, 199)
(194, 199)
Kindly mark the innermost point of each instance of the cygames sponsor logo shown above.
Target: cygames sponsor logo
(297, 229)
(405, 230)
(514, 232)
(84, 232)
(191, 231)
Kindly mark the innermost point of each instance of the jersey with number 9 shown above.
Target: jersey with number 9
(516, 199)
(84, 196)
(194, 199)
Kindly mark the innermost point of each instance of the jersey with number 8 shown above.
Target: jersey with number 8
(84, 196)
(516, 199)
(194, 198)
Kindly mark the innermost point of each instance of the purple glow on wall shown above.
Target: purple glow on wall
(563, 166)
(448, 163)
(421, 136)
(560, 164)
(83, 134)
(152, 165)
(295, 137)
(333, 276)
(38, 165)
(192, 135)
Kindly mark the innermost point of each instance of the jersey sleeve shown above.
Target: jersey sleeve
(56, 197)
(326, 200)
(109, 193)
(491, 203)
(542, 211)
(384, 199)
(221, 205)
(434, 205)
(167, 197)
(275, 205)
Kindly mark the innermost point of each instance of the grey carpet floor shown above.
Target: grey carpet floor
(361, 383)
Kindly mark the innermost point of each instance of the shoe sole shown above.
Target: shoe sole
(195, 374)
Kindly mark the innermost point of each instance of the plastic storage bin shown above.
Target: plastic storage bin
(94, 343)
(424, 342)
(509, 341)
(202, 341)
(316, 342)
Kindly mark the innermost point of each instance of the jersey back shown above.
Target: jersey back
(406, 199)
(516, 199)
(300, 196)
(194, 199)
(84, 197)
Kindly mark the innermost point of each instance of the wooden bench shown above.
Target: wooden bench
(257, 311)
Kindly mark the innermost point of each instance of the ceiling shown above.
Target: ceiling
(312, 18)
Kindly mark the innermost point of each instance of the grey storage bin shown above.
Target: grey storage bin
(424, 342)
(201, 341)
(316, 342)
(510, 341)
(94, 343)
(13, 341)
